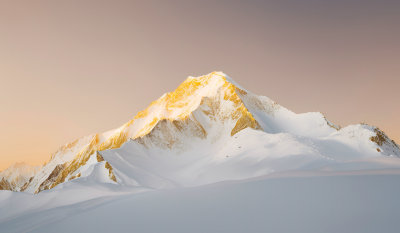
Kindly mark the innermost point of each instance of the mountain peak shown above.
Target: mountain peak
(202, 110)
(179, 104)
(21, 166)
(165, 123)
(187, 96)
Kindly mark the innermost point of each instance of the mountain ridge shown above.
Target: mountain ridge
(173, 106)
(206, 108)
(16, 176)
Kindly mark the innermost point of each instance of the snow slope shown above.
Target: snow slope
(250, 153)
(293, 202)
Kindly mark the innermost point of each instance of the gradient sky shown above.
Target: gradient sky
(73, 68)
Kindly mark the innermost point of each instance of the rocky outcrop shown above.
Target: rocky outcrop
(51, 178)
(5, 185)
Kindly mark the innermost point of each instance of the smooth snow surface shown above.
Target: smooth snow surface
(289, 203)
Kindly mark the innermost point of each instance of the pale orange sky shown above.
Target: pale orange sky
(72, 68)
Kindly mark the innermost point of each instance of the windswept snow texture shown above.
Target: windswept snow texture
(213, 157)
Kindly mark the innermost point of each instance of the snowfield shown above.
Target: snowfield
(212, 157)
(318, 202)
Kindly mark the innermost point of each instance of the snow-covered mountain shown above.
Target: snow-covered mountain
(213, 157)
(16, 176)
(211, 129)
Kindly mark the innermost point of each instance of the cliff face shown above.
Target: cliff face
(5, 185)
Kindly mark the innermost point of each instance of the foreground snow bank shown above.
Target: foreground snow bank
(300, 202)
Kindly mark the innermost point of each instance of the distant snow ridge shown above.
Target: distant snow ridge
(211, 129)
(16, 176)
